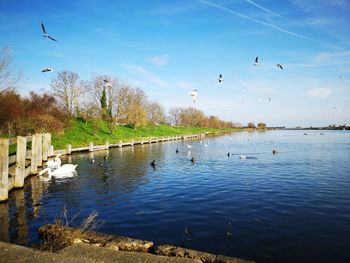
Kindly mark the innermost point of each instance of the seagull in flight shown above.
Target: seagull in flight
(47, 70)
(193, 94)
(107, 83)
(280, 66)
(220, 78)
(45, 34)
(257, 61)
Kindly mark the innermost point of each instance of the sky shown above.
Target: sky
(169, 48)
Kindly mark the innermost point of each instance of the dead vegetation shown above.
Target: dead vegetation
(59, 238)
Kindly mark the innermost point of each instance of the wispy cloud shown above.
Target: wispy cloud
(277, 28)
(145, 75)
(268, 10)
(185, 84)
(319, 92)
(316, 5)
(159, 60)
(333, 57)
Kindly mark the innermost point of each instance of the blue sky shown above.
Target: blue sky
(169, 48)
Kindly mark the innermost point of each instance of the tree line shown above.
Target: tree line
(101, 97)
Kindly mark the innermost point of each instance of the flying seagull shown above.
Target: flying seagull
(47, 70)
(280, 66)
(45, 34)
(193, 94)
(257, 61)
(220, 78)
(107, 83)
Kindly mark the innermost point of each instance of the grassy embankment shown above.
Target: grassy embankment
(98, 132)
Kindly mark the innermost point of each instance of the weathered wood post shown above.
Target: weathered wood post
(91, 147)
(51, 151)
(46, 146)
(20, 161)
(50, 147)
(40, 149)
(120, 144)
(107, 145)
(4, 169)
(132, 142)
(69, 149)
(34, 157)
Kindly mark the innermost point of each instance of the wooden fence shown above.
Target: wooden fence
(15, 168)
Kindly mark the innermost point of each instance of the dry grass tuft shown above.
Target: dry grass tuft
(58, 237)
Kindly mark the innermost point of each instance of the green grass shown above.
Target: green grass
(98, 132)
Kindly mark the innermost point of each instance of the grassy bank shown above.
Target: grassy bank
(81, 133)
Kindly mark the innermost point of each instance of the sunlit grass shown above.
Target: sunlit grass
(97, 131)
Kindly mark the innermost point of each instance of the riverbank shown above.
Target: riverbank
(90, 242)
(81, 133)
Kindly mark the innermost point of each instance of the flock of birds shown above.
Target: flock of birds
(193, 160)
(194, 93)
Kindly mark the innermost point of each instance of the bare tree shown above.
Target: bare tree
(8, 79)
(191, 117)
(174, 116)
(104, 94)
(122, 101)
(67, 89)
(155, 112)
(136, 113)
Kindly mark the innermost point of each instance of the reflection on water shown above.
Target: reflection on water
(292, 206)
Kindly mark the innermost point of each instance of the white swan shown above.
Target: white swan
(66, 170)
(54, 164)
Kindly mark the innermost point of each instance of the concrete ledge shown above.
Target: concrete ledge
(50, 232)
(108, 255)
(119, 243)
(172, 251)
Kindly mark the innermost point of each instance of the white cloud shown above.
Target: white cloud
(333, 57)
(319, 92)
(159, 60)
(185, 84)
(146, 76)
(270, 25)
(322, 57)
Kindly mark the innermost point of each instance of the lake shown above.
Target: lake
(293, 206)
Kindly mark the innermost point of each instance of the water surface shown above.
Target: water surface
(293, 206)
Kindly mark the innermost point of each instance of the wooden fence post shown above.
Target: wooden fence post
(46, 146)
(51, 151)
(40, 149)
(69, 149)
(34, 157)
(91, 147)
(4, 169)
(20, 161)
